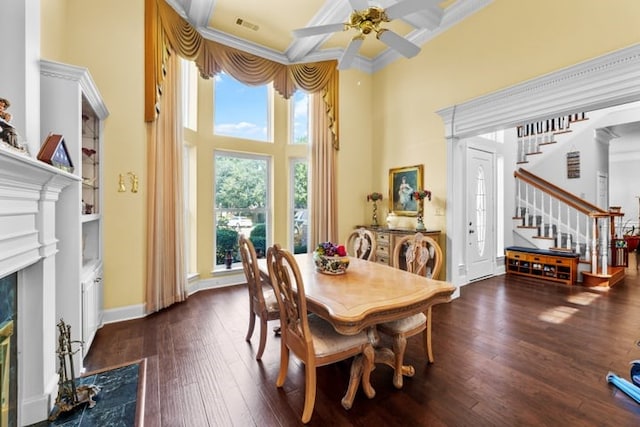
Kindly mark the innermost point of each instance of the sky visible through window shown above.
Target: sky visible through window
(242, 111)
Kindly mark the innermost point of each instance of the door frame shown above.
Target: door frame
(612, 79)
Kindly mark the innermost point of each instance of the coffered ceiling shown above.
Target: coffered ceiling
(264, 27)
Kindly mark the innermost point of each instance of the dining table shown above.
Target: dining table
(367, 294)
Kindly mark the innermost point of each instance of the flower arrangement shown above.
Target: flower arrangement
(331, 249)
(330, 258)
(421, 195)
(374, 197)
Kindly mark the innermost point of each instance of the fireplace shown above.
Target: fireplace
(8, 356)
(29, 194)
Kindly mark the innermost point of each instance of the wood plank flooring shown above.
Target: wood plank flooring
(509, 352)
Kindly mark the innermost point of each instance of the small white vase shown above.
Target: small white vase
(392, 220)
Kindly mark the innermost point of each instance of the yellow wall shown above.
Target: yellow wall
(107, 37)
(503, 44)
(387, 120)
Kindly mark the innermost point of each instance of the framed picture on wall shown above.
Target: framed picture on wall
(403, 182)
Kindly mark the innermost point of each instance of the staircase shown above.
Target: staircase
(551, 218)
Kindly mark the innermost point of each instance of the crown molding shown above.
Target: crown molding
(602, 82)
(84, 79)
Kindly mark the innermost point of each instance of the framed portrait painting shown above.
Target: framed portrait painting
(403, 182)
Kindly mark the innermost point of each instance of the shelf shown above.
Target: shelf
(543, 265)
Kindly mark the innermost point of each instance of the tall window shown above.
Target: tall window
(299, 118)
(241, 204)
(241, 111)
(299, 184)
(190, 224)
(189, 94)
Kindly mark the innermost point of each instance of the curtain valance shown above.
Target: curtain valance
(164, 25)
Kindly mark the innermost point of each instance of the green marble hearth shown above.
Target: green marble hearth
(116, 404)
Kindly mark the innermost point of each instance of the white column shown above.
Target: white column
(19, 67)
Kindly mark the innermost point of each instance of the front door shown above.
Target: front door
(481, 230)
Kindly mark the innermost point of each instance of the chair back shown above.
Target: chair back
(361, 243)
(418, 254)
(285, 278)
(252, 272)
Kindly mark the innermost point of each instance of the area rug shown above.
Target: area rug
(120, 401)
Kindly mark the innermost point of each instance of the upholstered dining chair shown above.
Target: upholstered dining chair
(311, 339)
(418, 254)
(262, 303)
(361, 243)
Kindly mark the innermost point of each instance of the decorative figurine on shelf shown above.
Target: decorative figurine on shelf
(374, 197)
(70, 395)
(419, 196)
(8, 133)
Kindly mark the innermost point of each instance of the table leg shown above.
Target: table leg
(387, 356)
(361, 368)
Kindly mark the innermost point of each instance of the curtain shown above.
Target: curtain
(166, 272)
(165, 29)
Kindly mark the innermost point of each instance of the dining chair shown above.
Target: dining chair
(361, 243)
(418, 254)
(311, 339)
(262, 303)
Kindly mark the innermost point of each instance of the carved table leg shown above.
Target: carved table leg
(361, 368)
(385, 355)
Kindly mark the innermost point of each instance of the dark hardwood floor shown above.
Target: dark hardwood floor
(509, 352)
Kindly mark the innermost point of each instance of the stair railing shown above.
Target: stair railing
(543, 205)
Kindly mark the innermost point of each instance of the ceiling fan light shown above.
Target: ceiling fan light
(403, 46)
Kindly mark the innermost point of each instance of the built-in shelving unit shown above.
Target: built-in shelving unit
(72, 107)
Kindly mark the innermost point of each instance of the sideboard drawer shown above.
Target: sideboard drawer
(383, 239)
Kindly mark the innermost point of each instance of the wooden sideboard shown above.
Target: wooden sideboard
(386, 240)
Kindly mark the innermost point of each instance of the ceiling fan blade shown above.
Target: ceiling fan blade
(317, 30)
(398, 43)
(405, 7)
(350, 53)
(359, 4)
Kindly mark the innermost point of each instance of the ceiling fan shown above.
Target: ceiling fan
(366, 20)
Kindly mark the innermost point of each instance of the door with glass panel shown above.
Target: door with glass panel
(480, 214)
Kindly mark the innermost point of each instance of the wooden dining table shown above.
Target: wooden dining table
(368, 293)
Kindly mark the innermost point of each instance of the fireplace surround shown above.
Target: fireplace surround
(29, 195)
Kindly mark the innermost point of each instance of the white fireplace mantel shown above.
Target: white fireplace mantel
(29, 193)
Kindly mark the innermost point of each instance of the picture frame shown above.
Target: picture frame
(54, 152)
(402, 182)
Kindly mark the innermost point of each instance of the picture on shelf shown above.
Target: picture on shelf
(54, 152)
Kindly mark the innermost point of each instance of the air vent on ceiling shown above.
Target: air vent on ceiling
(246, 24)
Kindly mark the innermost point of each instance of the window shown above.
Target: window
(241, 183)
(242, 111)
(189, 94)
(299, 118)
(299, 179)
(190, 230)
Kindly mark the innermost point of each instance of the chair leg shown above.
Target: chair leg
(252, 324)
(399, 346)
(309, 392)
(263, 338)
(427, 333)
(284, 364)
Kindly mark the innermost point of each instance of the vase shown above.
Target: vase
(331, 264)
(374, 219)
(392, 220)
(419, 222)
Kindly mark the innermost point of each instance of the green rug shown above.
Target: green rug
(116, 403)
